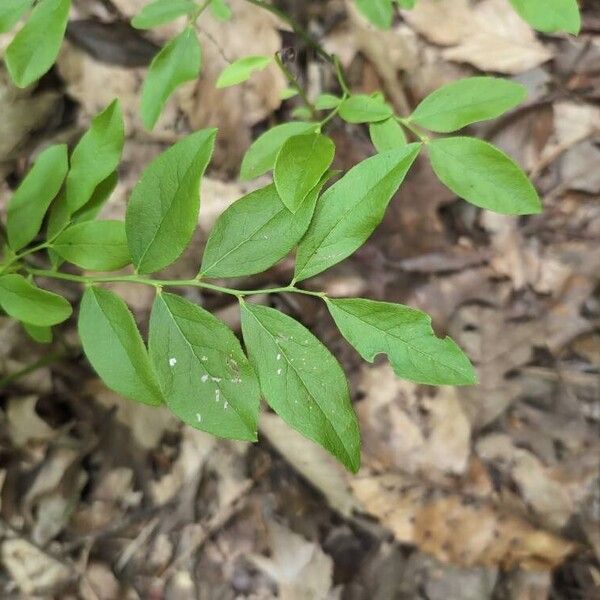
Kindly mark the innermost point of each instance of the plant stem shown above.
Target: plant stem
(159, 283)
(298, 29)
(38, 364)
(414, 129)
(296, 84)
(17, 257)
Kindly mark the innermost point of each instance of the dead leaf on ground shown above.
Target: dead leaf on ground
(489, 34)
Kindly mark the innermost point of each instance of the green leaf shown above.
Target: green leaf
(550, 16)
(11, 11)
(94, 245)
(378, 12)
(288, 93)
(407, 3)
(101, 194)
(457, 104)
(483, 175)
(114, 347)
(30, 202)
(299, 166)
(220, 10)
(301, 381)
(241, 70)
(256, 232)
(41, 335)
(26, 302)
(161, 12)
(351, 209)
(96, 156)
(163, 208)
(406, 336)
(364, 109)
(261, 155)
(178, 62)
(327, 102)
(35, 48)
(387, 135)
(206, 379)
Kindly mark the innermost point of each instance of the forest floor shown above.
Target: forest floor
(483, 493)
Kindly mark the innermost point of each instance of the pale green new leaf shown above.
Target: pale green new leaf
(111, 341)
(361, 108)
(256, 232)
(483, 175)
(35, 48)
(241, 70)
(299, 166)
(406, 336)
(96, 156)
(163, 208)
(220, 10)
(32, 198)
(351, 209)
(550, 16)
(205, 377)
(11, 11)
(178, 62)
(261, 155)
(387, 135)
(24, 301)
(327, 102)
(378, 12)
(457, 104)
(161, 12)
(94, 245)
(301, 381)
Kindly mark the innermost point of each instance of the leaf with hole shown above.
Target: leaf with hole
(301, 381)
(113, 345)
(162, 214)
(206, 379)
(406, 336)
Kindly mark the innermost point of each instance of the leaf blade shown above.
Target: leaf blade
(94, 245)
(550, 16)
(406, 336)
(351, 209)
(361, 108)
(28, 303)
(467, 101)
(241, 70)
(160, 12)
(177, 63)
(379, 12)
(11, 11)
(302, 381)
(483, 175)
(159, 230)
(206, 379)
(261, 155)
(114, 347)
(96, 156)
(387, 135)
(32, 198)
(34, 49)
(299, 166)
